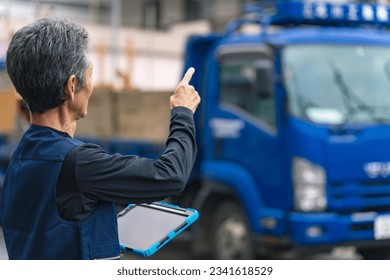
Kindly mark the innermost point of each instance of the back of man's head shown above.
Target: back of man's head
(42, 56)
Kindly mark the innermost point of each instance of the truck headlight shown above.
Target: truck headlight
(309, 186)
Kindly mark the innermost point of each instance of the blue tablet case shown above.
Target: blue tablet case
(144, 229)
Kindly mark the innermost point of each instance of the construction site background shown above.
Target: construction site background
(133, 79)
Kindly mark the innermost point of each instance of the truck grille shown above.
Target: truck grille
(359, 196)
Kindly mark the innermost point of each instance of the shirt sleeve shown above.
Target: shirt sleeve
(132, 179)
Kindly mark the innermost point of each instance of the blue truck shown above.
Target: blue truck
(293, 131)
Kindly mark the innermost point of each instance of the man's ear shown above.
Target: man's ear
(70, 87)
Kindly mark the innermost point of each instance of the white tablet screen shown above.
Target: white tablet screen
(143, 226)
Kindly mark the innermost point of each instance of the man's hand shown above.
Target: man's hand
(185, 95)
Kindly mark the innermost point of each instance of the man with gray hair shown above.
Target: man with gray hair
(59, 195)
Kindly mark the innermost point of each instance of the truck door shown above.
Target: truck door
(244, 124)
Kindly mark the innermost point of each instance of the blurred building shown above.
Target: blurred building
(150, 14)
(147, 14)
(136, 43)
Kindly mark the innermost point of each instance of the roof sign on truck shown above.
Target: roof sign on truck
(325, 13)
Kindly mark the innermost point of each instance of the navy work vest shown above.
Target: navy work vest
(29, 215)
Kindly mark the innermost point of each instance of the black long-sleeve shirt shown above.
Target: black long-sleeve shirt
(89, 174)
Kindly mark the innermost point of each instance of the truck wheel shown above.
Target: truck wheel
(231, 236)
(375, 253)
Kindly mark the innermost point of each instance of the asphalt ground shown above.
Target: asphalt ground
(175, 250)
(180, 249)
(3, 251)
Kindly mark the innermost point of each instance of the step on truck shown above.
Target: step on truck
(293, 131)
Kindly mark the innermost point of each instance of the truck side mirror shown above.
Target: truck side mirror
(263, 85)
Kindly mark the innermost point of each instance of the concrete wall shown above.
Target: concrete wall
(127, 115)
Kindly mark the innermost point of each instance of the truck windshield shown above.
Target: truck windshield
(338, 84)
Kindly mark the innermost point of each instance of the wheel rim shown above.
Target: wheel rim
(232, 238)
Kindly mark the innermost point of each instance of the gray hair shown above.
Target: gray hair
(42, 56)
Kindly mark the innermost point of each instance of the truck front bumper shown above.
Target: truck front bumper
(333, 228)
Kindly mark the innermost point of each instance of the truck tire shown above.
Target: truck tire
(375, 253)
(231, 235)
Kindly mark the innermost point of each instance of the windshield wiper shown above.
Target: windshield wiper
(352, 102)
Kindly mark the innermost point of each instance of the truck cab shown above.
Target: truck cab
(293, 131)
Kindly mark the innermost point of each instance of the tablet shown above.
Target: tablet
(145, 228)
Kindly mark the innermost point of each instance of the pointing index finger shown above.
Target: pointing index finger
(188, 75)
